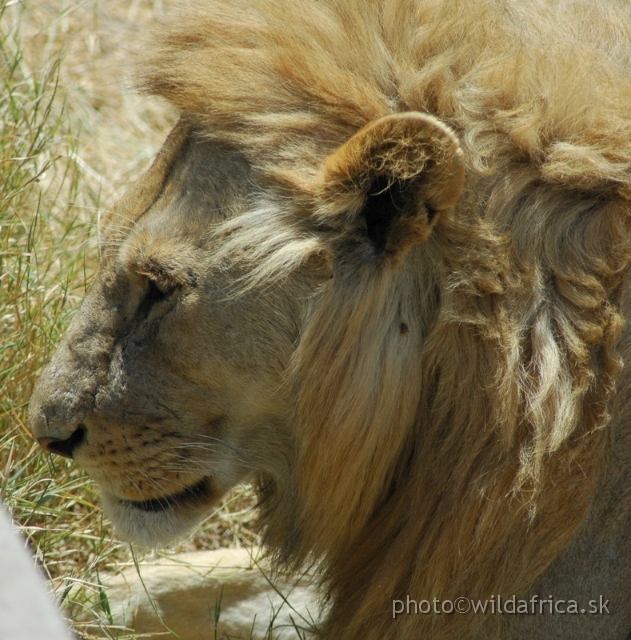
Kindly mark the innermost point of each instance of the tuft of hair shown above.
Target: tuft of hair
(458, 456)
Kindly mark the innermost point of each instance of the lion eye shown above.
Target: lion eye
(155, 294)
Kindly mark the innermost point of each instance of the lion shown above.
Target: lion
(380, 270)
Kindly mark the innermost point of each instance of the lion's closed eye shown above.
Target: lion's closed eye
(159, 298)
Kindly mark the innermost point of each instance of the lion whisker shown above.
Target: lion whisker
(202, 465)
(209, 447)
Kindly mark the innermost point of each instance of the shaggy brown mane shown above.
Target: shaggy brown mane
(460, 460)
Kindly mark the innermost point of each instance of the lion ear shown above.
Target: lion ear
(391, 181)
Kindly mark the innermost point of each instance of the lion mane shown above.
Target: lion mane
(451, 426)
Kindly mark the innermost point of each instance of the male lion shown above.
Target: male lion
(378, 269)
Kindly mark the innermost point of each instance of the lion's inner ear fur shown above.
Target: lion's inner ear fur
(392, 179)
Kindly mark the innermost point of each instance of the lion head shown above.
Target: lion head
(376, 269)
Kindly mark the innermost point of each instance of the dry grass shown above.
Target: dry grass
(71, 139)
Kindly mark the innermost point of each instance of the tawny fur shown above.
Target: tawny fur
(450, 401)
(483, 435)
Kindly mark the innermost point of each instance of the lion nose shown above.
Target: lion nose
(64, 447)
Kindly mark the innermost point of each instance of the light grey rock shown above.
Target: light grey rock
(27, 612)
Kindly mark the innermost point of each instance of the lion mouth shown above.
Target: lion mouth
(195, 493)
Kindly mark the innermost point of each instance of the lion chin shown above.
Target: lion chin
(159, 521)
(379, 269)
(150, 528)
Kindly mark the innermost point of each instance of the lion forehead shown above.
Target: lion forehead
(193, 184)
